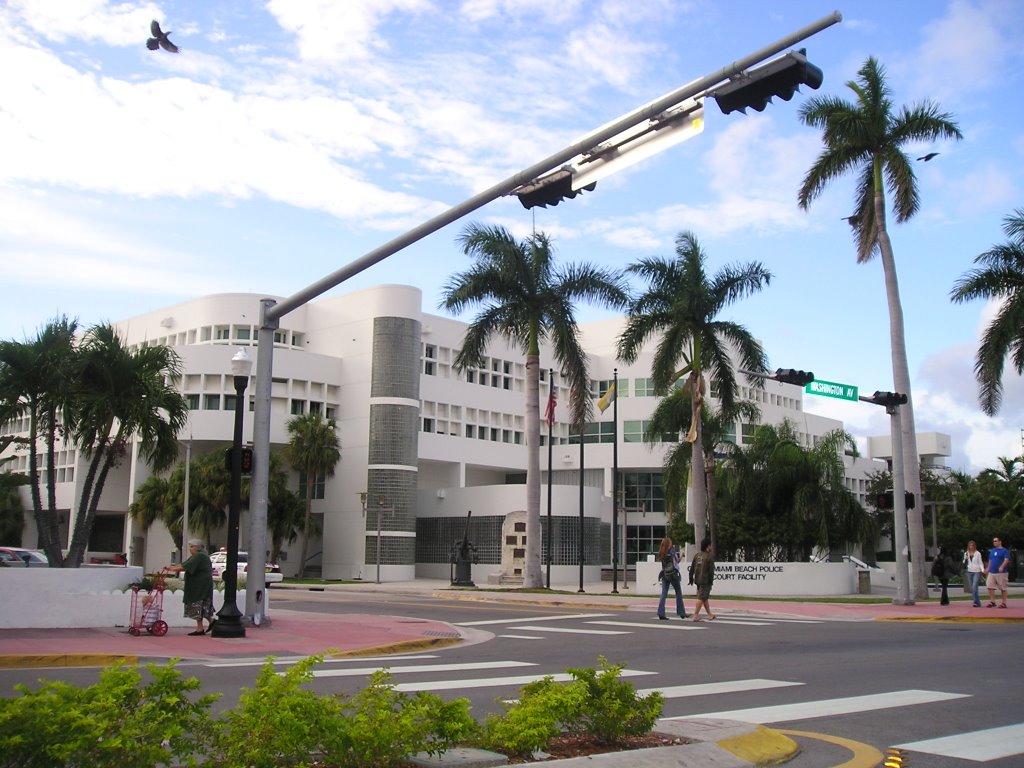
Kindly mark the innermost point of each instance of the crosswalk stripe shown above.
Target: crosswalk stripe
(532, 619)
(469, 666)
(488, 682)
(827, 707)
(979, 746)
(709, 689)
(571, 630)
(678, 625)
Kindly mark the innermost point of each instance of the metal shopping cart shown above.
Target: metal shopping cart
(148, 608)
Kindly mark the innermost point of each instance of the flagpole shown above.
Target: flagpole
(551, 422)
(582, 429)
(615, 484)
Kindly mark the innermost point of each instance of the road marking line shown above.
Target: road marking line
(808, 710)
(521, 637)
(572, 631)
(678, 625)
(354, 671)
(487, 682)
(709, 689)
(979, 746)
(283, 660)
(532, 618)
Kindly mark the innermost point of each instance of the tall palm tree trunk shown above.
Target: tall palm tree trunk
(305, 523)
(901, 380)
(532, 571)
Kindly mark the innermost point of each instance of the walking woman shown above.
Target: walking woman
(973, 568)
(668, 556)
(198, 593)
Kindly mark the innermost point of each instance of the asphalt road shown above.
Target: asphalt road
(878, 683)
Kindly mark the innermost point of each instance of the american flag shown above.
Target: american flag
(549, 412)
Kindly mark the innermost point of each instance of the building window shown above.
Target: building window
(643, 387)
(428, 425)
(318, 486)
(429, 367)
(329, 411)
(193, 402)
(298, 407)
(211, 403)
(315, 407)
(643, 489)
(229, 402)
(747, 433)
(470, 430)
(243, 333)
(641, 541)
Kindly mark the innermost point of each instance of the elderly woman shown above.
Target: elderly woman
(198, 596)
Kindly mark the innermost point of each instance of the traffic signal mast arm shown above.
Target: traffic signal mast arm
(784, 375)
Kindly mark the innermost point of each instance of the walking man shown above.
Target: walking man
(998, 573)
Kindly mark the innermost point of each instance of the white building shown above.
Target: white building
(425, 444)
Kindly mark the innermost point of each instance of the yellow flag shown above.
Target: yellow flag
(607, 398)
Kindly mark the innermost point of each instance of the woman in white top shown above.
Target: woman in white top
(974, 568)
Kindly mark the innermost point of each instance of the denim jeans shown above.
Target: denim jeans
(974, 580)
(676, 582)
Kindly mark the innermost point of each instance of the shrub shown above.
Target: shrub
(279, 723)
(612, 709)
(530, 723)
(385, 726)
(118, 721)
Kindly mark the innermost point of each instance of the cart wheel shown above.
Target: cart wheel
(134, 631)
(159, 628)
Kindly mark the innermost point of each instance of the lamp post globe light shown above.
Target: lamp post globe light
(229, 619)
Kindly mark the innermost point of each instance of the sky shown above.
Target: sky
(289, 138)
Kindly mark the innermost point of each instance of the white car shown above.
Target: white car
(219, 560)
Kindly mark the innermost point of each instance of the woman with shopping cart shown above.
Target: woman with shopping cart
(198, 594)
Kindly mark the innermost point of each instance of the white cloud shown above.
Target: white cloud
(111, 23)
(333, 32)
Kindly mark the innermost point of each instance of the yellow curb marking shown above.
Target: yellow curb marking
(764, 746)
(864, 755)
(405, 646)
(31, 660)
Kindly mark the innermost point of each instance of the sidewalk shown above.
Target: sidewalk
(301, 633)
(713, 743)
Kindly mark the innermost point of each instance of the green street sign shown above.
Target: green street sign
(832, 389)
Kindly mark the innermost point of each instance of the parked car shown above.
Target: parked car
(22, 558)
(219, 560)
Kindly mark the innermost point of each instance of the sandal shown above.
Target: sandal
(1002, 605)
(990, 605)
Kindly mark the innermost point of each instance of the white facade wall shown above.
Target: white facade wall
(324, 358)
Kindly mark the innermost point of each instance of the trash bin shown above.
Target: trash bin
(863, 582)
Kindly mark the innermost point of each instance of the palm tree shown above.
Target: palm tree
(12, 513)
(122, 395)
(673, 415)
(680, 305)
(313, 450)
(525, 299)
(36, 379)
(866, 138)
(1000, 279)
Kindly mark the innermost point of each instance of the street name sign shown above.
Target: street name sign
(832, 389)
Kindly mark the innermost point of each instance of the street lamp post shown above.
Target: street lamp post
(229, 620)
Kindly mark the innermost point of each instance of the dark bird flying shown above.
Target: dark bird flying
(853, 221)
(160, 39)
(928, 157)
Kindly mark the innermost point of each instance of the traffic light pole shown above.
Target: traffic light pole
(891, 401)
(271, 310)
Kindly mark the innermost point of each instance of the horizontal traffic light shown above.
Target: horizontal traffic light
(885, 500)
(781, 77)
(550, 190)
(792, 376)
(886, 399)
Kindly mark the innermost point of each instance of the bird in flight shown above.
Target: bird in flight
(928, 157)
(160, 39)
(853, 221)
